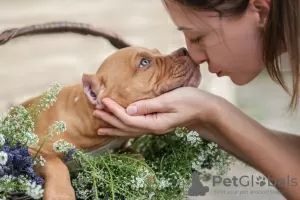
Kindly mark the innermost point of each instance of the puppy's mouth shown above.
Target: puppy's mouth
(194, 79)
(191, 79)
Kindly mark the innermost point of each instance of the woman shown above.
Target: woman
(238, 39)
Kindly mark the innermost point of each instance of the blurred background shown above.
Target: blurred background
(30, 64)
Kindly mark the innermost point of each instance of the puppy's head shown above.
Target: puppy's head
(135, 73)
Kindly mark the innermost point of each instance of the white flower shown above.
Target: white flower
(57, 128)
(212, 145)
(34, 190)
(49, 97)
(163, 183)
(62, 146)
(2, 140)
(30, 138)
(137, 182)
(41, 161)
(198, 161)
(193, 138)
(151, 195)
(3, 157)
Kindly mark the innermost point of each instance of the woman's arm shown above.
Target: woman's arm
(289, 139)
(275, 155)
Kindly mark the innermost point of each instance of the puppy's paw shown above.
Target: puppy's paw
(57, 192)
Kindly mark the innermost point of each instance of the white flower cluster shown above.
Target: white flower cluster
(49, 97)
(212, 145)
(57, 127)
(16, 124)
(193, 138)
(2, 140)
(198, 161)
(164, 183)
(62, 146)
(30, 139)
(141, 180)
(3, 158)
(40, 161)
(34, 190)
(81, 184)
(137, 182)
(4, 181)
(222, 158)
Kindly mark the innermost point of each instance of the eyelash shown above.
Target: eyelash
(196, 40)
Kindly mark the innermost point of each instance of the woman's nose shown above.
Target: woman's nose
(198, 57)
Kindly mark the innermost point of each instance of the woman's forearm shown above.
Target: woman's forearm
(212, 134)
(258, 146)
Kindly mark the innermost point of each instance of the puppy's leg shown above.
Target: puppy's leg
(57, 180)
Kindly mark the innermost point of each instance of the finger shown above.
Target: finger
(119, 112)
(111, 119)
(118, 132)
(144, 122)
(145, 107)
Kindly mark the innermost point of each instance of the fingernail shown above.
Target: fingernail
(132, 110)
(95, 114)
(101, 133)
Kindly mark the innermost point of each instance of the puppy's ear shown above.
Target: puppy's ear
(93, 88)
(90, 79)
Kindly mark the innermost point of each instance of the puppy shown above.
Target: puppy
(126, 76)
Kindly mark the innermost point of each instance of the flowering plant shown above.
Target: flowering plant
(17, 135)
(164, 172)
(162, 169)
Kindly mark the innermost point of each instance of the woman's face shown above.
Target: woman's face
(231, 47)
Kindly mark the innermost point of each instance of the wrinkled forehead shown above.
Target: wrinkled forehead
(127, 57)
(130, 52)
(188, 19)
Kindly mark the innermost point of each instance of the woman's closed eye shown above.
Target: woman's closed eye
(196, 40)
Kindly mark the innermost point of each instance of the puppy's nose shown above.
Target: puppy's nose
(181, 52)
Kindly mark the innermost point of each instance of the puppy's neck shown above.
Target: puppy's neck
(80, 107)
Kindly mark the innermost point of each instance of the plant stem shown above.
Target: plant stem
(110, 174)
(45, 138)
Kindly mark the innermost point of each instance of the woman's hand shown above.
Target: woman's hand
(180, 107)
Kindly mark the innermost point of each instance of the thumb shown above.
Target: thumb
(144, 107)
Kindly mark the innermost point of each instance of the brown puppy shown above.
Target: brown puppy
(129, 75)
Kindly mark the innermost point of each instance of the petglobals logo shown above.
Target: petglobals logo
(254, 181)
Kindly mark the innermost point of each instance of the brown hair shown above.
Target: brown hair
(281, 32)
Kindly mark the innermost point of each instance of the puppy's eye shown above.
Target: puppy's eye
(144, 63)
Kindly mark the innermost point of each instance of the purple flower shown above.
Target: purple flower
(69, 155)
(19, 162)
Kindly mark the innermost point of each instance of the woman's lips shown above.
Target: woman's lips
(219, 74)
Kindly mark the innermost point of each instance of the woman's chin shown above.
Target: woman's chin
(240, 81)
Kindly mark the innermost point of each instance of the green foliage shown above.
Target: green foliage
(112, 176)
(164, 173)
